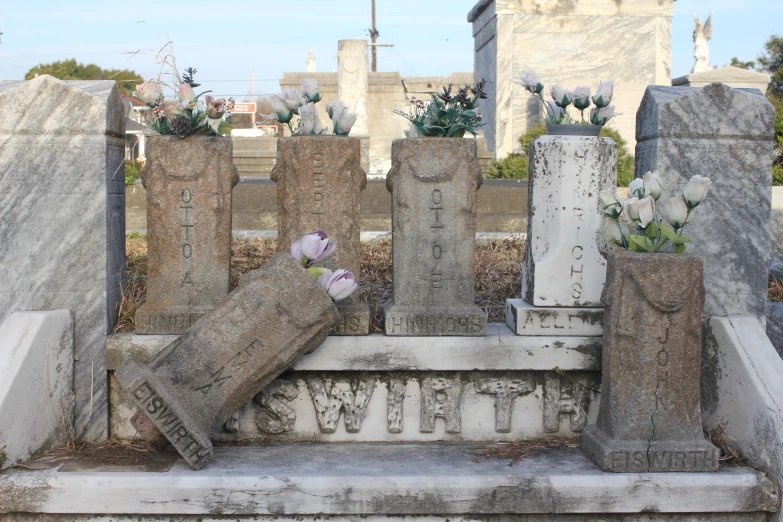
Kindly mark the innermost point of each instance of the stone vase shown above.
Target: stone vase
(188, 183)
(276, 314)
(650, 413)
(319, 185)
(434, 184)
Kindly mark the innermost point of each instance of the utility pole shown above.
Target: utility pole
(253, 95)
(374, 37)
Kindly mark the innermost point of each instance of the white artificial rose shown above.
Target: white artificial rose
(561, 96)
(582, 97)
(604, 93)
(343, 121)
(653, 185)
(310, 89)
(282, 112)
(631, 210)
(612, 230)
(676, 211)
(696, 190)
(636, 188)
(531, 82)
(150, 93)
(646, 211)
(610, 203)
(310, 122)
(557, 114)
(292, 99)
(602, 115)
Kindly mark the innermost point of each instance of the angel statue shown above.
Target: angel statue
(701, 52)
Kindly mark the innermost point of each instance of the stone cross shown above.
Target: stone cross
(702, 33)
(62, 219)
(276, 314)
(434, 184)
(727, 135)
(189, 185)
(319, 185)
(352, 83)
(650, 413)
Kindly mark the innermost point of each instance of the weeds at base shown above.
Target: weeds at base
(522, 449)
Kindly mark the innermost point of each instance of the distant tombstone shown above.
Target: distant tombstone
(649, 419)
(727, 135)
(352, 83)
(188, 184)
(62, 219)
(319, 185)
(276, 314)
(434, 184)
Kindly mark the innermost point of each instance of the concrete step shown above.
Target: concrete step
(443, 480)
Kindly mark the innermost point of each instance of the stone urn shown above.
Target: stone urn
(276, 314)
(319, 185)
(188, 183)
(649, 418)
(434, 184)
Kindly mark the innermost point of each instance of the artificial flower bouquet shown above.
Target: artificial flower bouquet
(293, 102)
(556, 109)
(315, 248)
(446, 115)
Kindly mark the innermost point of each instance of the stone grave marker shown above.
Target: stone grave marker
(188, 184)
(649, 418)
(727, 135)
(319, 185)
(62, 219)
(434, 182)
(276, 314)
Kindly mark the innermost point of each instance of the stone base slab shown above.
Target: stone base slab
(174, 321)
(384, 479)
(400, 320)
(640, 456)
(162, 408)
(525, 319)
(354, 317)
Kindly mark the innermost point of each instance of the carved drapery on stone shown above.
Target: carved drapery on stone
(333, 397)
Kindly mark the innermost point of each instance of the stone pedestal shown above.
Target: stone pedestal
(188, 184)
(62, 219)
(275, 315)
(563, 267)
(727, 135)
(650, 413)
(319, 184)
(434, 182)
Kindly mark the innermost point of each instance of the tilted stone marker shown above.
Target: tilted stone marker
(650, 413)
(319, 185)
(188, 184)
(62, 219)
(434, 182)
(727, 135)
(276, 314)
(563, 272)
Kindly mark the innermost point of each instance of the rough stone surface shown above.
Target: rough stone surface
(434, 184)
(276, 314)
(62, 218)
(666, 517)
(742, 391)
(526, 319)
(352, 85)
(319, 185)
(563, 265)
(727, 135)
(650, 414)
(775, 326)
(387, 479)
(36, 383)
(188, 186)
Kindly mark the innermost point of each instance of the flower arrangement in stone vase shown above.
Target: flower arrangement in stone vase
(292, 102)
(556, 109)
(183, 114)
(634, 225)
(315, 248)
(446, 115)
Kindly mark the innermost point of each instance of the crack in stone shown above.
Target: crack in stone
(652, 417)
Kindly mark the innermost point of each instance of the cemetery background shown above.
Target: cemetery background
(500, 387)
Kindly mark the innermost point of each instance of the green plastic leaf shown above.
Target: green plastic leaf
(224, 129)
(644, 244)
(681, 240)
(668, 232)
(679, 249)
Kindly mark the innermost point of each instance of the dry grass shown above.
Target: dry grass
(775, 293)
(522, 449)
(498, 275)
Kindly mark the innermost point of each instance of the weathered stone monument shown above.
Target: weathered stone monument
(319, 185)
(352, 69)
(188, 184)
(650, 413)
(276, 314)
(572, 43)
(563, 272)
(62, 230)
(434, 183)
(726, 135)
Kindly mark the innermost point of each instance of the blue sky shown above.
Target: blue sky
(225, 40)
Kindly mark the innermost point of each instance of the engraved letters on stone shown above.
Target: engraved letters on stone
(505, 391)
(274, 416)
(564, 396)
(394, 398)
(441, 397)
(333, 397)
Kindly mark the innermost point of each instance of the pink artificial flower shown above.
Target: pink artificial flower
(313, 248)
(338, 284)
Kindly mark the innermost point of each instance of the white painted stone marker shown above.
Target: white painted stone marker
(525, 319)
(563, 266)
(36, 383)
